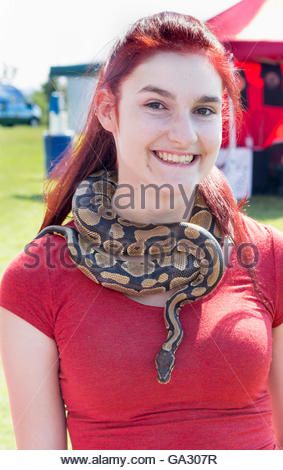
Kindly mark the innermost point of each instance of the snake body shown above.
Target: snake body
(140, 259)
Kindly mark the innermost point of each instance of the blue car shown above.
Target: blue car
(14, 109)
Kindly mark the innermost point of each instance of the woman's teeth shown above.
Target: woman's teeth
(171, 157)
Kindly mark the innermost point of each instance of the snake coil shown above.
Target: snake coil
(140, 259)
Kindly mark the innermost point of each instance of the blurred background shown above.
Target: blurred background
(50, 54)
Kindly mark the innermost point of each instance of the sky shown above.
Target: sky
(38, 34)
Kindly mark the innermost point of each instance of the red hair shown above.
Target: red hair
(95, 149)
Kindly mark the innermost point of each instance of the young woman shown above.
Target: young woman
(154, 229)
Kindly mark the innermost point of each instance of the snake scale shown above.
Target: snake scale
(139, 259)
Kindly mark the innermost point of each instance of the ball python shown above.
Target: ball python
(139, 259)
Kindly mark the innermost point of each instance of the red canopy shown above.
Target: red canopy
(252, 28)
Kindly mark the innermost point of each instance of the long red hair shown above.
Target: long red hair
(95, 149)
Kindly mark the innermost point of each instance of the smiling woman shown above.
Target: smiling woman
(176, 142)
(154, 319)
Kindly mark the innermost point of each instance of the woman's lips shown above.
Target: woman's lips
(178, 164)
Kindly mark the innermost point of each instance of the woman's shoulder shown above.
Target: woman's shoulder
(33, 280)
(25, 287)
(267, 244)
(48, 246)
(39, 256)
(265, 235)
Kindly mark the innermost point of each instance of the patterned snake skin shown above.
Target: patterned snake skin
(139, 259)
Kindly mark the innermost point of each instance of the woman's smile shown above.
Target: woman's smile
(176, 160)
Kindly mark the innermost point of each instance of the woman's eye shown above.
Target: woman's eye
(155, 105)
(205, 111)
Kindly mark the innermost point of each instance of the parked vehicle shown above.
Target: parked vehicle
(14, 109)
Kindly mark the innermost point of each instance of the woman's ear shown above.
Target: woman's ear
(105, 110)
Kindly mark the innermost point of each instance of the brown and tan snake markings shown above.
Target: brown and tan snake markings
(140, 259)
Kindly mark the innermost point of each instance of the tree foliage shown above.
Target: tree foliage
(41, 98)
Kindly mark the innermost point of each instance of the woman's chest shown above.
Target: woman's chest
(108, 347)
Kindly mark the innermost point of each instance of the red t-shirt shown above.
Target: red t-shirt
(217, 397)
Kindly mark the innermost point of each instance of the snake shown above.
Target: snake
(141, 259)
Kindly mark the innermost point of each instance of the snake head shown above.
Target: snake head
(164, 362)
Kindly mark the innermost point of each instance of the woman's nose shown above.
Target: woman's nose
(182, 131)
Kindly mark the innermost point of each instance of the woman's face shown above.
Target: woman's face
(169, 114)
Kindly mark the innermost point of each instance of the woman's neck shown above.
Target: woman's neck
(153, 204)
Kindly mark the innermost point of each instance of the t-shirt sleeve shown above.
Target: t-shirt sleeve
(277, 237)
(25, 288)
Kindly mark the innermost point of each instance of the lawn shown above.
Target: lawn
(21, 183)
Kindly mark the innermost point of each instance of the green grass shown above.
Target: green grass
(21, 183)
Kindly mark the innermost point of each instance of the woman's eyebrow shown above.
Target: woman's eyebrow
(160, 91)
(202, 99)
(209, 99)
